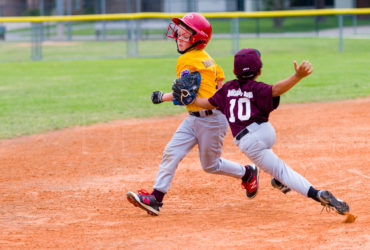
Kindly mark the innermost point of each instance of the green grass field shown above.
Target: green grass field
(51, 94)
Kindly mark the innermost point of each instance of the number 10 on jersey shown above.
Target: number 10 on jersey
(243, 109)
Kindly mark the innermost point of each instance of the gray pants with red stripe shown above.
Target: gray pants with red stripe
(208, 132)
(257, 146)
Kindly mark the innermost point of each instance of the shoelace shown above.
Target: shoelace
(326, 207)
(146, 193)
(143, 192)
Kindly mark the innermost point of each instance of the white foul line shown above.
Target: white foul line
(355, 171)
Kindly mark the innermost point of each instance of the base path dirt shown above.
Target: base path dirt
(66, 189)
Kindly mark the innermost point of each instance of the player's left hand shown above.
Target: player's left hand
(304, 69)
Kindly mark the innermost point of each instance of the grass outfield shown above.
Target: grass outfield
(48, 95)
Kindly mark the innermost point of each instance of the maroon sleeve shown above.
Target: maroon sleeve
(275, 101)
(212, 102)
(265, 100)
(218, 99)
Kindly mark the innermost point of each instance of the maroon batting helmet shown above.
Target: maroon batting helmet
(247, 63)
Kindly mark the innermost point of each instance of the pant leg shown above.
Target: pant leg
(211, 131)
(257, 146)
(181, 143)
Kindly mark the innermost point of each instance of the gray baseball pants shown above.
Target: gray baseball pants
(208, 132)
(257, 146)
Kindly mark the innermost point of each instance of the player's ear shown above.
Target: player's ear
(259, 73)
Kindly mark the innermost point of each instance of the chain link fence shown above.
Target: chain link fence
(53, 40)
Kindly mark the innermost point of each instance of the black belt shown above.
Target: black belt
(244, 132)
(199, 114)
(241, 134)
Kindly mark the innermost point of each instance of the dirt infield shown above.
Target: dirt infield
(66, 189)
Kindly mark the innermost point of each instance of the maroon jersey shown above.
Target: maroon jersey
(245, 103)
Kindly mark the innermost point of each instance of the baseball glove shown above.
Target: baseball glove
(185, 89)
(157, 97)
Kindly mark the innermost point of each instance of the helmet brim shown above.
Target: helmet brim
(177, 20)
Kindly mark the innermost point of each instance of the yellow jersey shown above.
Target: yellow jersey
(211, 73)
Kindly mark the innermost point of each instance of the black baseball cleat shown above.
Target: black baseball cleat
(327, 199)
(145, 201)
(251, 185)
(277, 184)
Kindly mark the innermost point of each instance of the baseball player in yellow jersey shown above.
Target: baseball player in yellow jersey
(212, 74)
(207, 128)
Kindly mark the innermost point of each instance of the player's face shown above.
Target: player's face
(183, 38)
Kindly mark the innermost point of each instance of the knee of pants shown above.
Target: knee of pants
(256, 159)
(211, 167)
(253, 150)
(172, 155)
(256, 156)
(266, 160)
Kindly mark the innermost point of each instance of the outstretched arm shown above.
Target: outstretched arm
(159, 97)
(167, 97)
(283, 86)
(203, 103)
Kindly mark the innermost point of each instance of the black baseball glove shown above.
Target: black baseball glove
(185, 89)
(157, 97)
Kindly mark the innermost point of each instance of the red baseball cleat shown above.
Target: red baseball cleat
(251, 185)
(145, 201)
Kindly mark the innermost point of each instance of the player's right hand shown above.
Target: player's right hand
(157, 97)
(304, 69)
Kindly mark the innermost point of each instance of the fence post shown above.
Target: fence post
(131, 33)
(235, 35)
(258, 27)
(103, 11)
(60, 25)
(42, 13)
(136, 34)
(132, 48)
(69, 13)
(36, 48)
(138, 21)
(340, 22)
(354, 18)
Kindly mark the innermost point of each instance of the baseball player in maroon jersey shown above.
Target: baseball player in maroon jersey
(247, 104)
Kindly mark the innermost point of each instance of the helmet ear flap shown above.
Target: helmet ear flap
(193, 39)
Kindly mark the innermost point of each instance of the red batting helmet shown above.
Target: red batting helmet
(200, 25)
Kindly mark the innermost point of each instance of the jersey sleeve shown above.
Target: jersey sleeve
(212, 101)
(218, 99)
(220, 75)
(265, 101)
